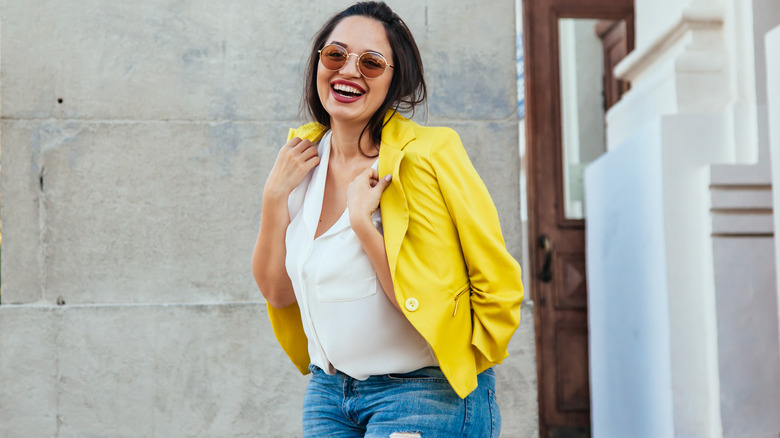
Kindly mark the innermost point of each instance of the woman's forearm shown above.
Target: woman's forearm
(296, 159)
(373, 244)
(268, 258)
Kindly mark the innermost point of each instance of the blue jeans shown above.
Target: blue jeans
(417, 404)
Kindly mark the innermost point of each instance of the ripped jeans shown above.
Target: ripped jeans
(417, 404)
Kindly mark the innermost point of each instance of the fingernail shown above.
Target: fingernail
(388, 177)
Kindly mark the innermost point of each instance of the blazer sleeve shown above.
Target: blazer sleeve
(495, 276)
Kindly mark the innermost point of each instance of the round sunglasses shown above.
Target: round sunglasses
(370, 64)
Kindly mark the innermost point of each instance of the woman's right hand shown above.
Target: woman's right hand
(296, 158)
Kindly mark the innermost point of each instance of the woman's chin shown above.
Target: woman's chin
(345, 114)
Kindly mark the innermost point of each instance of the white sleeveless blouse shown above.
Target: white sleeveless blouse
(351, 325)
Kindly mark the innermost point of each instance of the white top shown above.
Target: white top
(351, 325)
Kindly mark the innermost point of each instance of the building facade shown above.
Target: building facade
(136, 139)
(681, 251)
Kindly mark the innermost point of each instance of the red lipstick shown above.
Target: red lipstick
(345, 91)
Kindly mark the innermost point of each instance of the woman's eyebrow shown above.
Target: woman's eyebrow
(347, 47)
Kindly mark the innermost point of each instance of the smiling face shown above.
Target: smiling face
(347, 96)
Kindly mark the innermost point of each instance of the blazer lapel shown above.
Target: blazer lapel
(295, 202)
(311, 131)
(394, 206)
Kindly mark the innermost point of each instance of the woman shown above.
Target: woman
(400, 311)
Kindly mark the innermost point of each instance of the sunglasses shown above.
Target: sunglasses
(370, 64)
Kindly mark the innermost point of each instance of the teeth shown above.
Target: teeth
(346, 88)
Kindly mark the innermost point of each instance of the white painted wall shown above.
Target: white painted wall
(739, 39)
(748, 340)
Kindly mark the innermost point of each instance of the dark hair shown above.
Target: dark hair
(407, 88)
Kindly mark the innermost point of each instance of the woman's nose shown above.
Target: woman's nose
(350, 67)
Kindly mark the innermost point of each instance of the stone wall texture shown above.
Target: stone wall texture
(136, 138)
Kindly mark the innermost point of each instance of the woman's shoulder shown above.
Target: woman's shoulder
(436, 134)
(422, 137)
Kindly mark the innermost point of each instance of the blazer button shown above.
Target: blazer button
(411, 304)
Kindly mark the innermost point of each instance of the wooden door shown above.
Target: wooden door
(616, 42)
(556, 221)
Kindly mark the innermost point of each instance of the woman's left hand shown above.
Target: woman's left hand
(363, 195)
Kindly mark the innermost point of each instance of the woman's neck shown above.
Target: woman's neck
(344, 140)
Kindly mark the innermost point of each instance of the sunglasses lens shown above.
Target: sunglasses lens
(333, 57)
(372, 65)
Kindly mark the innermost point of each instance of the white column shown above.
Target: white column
(773, 101)
(680, 87)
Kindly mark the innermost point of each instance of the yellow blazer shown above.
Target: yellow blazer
(443, 239)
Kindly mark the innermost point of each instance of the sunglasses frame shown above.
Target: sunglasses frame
(387, 64)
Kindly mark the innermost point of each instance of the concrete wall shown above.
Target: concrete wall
(136, 139)
(197, 370)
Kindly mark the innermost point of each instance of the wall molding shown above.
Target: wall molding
(692, 19)
(741, 210)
